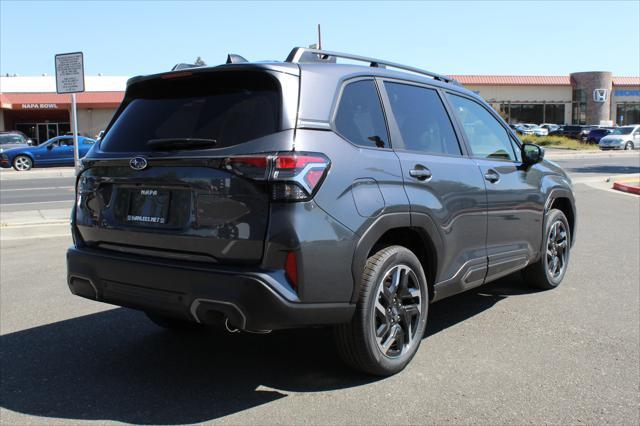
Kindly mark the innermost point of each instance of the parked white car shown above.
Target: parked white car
(536, 130)
(625, 137)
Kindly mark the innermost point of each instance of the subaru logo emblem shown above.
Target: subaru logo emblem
(138, 163)
(600, 95)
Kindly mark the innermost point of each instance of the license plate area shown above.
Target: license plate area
(149, 206)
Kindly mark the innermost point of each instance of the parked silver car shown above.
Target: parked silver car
(625, 137)
(13, 139)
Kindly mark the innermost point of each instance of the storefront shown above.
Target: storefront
(30, 105)
(580, 98)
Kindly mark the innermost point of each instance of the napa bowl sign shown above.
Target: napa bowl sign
(39, 106)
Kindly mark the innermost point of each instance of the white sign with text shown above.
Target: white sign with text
(69, 73)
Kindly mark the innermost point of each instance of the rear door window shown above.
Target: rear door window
(422, 119)
(230, 108)
(359, 117)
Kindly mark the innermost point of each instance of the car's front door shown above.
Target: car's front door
(445, 188)
(63, 154)
(514, 196)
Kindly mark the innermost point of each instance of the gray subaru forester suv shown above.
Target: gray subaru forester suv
(272, 195)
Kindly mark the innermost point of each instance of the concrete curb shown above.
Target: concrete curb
(11, 233)
(626, 187)
(569, 155)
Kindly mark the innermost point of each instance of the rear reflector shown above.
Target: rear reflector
(291, 269)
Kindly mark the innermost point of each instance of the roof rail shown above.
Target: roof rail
(307, 55)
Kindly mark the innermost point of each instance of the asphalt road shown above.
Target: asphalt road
(498, 354)
(26, 194)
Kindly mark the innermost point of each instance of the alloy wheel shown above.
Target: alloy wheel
(22, 163)
(557, 250)
(398, 309)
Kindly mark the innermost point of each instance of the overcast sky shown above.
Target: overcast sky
(130, 38)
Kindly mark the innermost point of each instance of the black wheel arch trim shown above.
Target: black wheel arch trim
(555, 194)
(419, 222)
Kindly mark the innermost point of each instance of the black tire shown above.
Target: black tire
(173, 323)
(357, 342)
(539, 274)
(628, 146)
(22, 163)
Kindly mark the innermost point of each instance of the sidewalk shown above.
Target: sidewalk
(562, 154)
(34, 224)
(43, 173)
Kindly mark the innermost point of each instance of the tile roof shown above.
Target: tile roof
(513, 80)
(626, 81)
(532, 80)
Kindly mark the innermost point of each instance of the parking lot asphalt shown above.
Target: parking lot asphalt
(498, 354)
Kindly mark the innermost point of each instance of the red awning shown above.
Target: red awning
(56, 101)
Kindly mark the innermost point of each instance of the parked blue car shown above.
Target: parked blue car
(57, 151)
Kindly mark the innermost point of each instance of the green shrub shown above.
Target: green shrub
(558, 142)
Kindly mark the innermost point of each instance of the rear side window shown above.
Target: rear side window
(359, 118)
(422, 119)
(486, 137)
(231, 108)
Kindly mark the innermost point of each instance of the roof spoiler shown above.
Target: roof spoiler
(306, 55)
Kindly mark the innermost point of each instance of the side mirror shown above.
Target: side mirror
(532, 153)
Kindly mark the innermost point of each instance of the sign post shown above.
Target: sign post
(70, 79)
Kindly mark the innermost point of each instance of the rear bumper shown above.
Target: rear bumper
(251, 300)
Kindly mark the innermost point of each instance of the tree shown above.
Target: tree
(199, 62)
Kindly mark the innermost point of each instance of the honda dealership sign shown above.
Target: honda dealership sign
(600, 95)
(69, 73)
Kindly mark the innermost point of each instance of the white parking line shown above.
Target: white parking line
(38, 202)
(37, 189)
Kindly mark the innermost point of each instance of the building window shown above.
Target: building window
(579, 107)
(554, 113)
(527, 113)
(628, 113)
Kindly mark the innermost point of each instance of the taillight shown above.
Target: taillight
(292, 176)
(250, 166)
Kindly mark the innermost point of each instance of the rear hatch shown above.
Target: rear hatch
(182, 169)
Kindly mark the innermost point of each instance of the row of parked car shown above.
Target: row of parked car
(21, 153)
(624, 137)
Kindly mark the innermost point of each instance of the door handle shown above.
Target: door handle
(492, 176)
(420, 172)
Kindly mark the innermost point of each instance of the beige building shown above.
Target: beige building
(580, 98)
(31, 104)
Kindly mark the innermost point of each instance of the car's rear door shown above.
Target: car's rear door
(514, 195)
(444, 186)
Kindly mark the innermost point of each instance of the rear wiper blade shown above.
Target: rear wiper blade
(180, 143)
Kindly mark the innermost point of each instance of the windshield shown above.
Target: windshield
(11, 139)
(622, 131)
(229, 108)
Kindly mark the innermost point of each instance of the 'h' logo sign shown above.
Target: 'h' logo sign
(600, 95)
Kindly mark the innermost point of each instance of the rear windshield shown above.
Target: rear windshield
(230, 108)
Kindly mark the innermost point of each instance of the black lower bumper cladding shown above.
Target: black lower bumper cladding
(255, 300)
